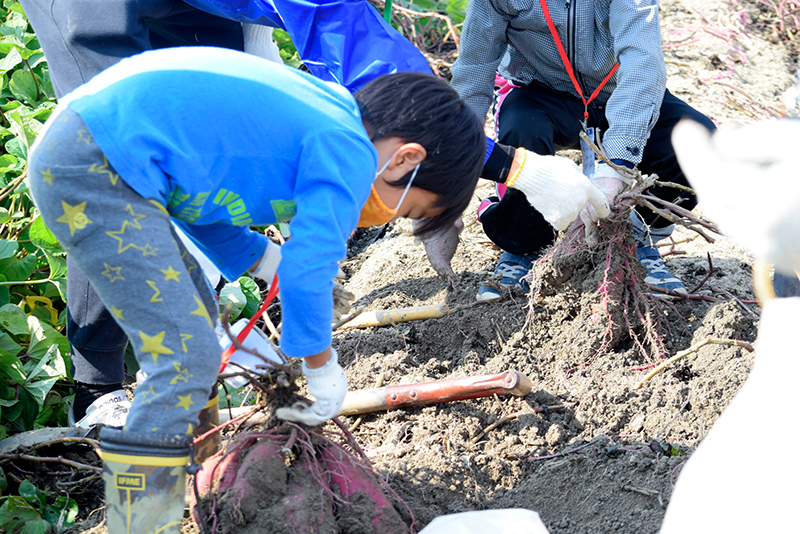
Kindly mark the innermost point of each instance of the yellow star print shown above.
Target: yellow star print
(116, 270)
(202, 311)
(131, 223)
(184, 339)
(186, 402)
(147, 396)
(157, 295)
(74, 217)
(183, 374)
(117, 313)
(85, 136)
(105, 169)
(154, 345)
(187, 258)
(47, 176)
(170, 274)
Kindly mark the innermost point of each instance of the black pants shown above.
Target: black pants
(544, 121)
(80, 38)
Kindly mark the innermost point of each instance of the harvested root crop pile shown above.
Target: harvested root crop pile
(291, 480)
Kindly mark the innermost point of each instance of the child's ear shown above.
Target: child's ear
(410, 155)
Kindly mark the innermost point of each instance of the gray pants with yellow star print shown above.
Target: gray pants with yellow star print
(126, 247)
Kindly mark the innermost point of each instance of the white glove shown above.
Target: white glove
(556, 188)
(268, 264)
(328, 385)
(611, 184)
(440, 248)
(746, 179)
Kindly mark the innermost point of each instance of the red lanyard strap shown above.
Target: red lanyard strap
(271, 294)
(568, 65)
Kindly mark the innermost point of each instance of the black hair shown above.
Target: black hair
(422, 108)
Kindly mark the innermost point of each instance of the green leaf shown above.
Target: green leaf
(62, 513)
(29, 410)
(9, 347)
(8, 248)
(23, 86)
(42, 237)
(32, 494)
(11, 60)
(11, 368)
(18, 148)
(253, 295)
(3, 481)
(17, 512)
(37, 526)
(13, 320)
(232, 294)
(43, 336)
(58, 264)
(7, 161)
(18, 270)
(5, 292)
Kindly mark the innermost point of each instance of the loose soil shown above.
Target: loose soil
(608, 460)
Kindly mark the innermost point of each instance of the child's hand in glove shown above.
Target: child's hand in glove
(610, 183)
(328, 385)
(440, 248)
(555, 187)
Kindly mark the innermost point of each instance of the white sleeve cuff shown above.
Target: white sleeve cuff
(268, 265)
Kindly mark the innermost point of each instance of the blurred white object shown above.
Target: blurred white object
(747, 180)
(111, 410)
(212, 273)
(258, 42)
(732, 484)
(255, 340)
(508, 521)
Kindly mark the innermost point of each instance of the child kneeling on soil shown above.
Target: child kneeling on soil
(217, 141)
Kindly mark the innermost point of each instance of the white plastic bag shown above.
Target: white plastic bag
(507, 521)
(256, 340)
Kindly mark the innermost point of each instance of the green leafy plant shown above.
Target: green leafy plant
(244, 297)
(33, 352)
(30, 513)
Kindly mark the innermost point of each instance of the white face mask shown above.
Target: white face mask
(375, 212)
(408, 185)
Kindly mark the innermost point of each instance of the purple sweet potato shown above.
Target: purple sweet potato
(366, 508)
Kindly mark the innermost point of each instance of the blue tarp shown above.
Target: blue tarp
(342, 41)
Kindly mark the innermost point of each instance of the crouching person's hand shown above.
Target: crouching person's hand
(556, 188)
(440, 248)
(328, 385)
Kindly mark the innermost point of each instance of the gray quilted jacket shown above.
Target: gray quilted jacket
(511, 37)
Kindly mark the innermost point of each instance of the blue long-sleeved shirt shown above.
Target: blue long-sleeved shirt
(225, 140)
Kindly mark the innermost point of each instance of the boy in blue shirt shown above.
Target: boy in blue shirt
(217, 141)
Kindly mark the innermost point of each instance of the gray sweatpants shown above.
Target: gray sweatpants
(125, 245)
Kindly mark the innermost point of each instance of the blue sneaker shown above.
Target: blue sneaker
(657, 273)
(511, 268)
(649, 256)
